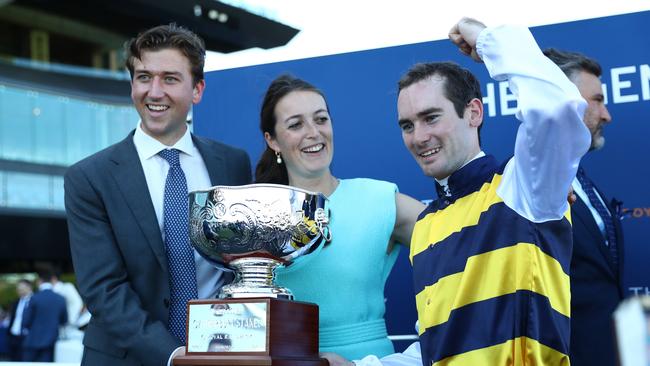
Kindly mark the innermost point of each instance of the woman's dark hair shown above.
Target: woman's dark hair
(267, 169)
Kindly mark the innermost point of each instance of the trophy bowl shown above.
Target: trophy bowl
(255, 228)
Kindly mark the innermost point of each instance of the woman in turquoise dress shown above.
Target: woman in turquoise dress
(347, 277)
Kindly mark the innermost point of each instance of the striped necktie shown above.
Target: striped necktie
(603, 212)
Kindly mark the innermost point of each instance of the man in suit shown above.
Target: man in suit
(16, 328)
(120, 201)
(597, 261)
(44, 315)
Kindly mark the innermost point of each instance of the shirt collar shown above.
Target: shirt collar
(443, 183)
(45, 286)
(148, 146)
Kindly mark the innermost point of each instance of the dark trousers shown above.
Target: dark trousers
(15, 344)
(38, 354)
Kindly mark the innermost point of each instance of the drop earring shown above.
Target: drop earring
(278, 158)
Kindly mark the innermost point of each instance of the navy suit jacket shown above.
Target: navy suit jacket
(596, 288)
(119, 254)
(12, 315)
(44, 314)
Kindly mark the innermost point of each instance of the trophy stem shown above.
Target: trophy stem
(254, 277)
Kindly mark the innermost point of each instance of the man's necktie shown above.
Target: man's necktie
(180, 256)
(610, 233)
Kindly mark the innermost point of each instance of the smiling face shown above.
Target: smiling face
(596, 114)
(440, 141)
(163, 92)
(303, 135)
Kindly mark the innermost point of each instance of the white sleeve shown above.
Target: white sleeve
(410, 357)
(74, 303)
(552, 138)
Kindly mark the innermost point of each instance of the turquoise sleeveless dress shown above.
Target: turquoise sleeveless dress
(346, 278)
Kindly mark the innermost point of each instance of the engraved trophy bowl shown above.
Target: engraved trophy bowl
(255, 228)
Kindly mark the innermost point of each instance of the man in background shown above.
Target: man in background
(44, 315)
(16, 325)
(597, 261)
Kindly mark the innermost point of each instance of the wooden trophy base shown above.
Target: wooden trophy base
(247, 360)
(281, 333)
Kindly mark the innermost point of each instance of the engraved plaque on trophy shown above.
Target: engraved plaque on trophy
(251, 230)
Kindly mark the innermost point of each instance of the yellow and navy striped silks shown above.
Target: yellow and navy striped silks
(492, 288)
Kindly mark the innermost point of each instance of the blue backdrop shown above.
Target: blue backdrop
(361, 92)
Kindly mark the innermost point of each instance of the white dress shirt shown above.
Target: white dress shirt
(577, 188)
(17, 326)
(208, 278)
(73, 301)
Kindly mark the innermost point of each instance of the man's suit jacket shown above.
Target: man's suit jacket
(119, 254)
(596, 288)
(15, 342)
(12, 314)
(44, 314)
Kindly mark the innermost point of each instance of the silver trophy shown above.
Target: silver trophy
(255, 228)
